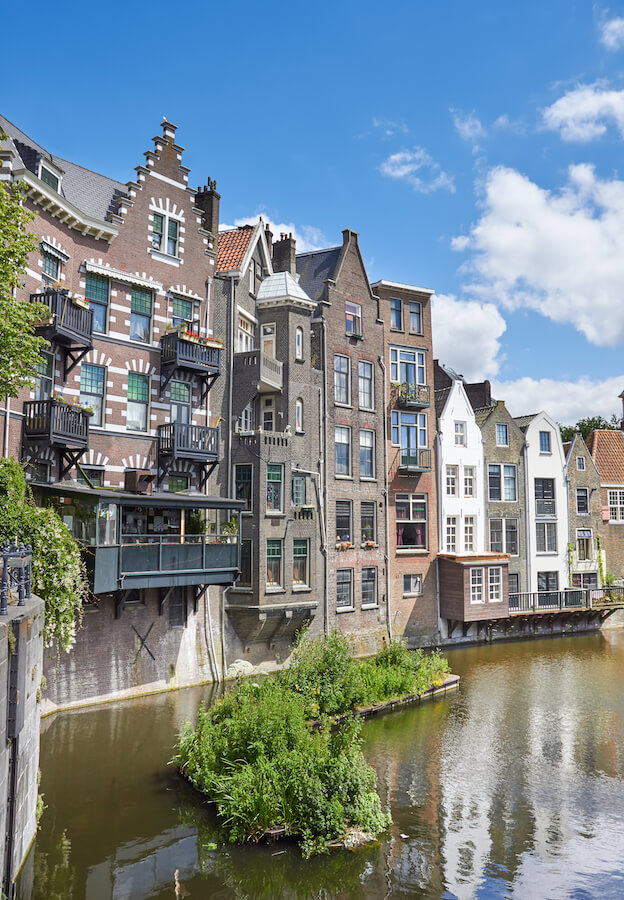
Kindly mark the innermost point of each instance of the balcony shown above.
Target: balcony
(196, 443)
(259, 368)
(413, 461)
(166, 560)
(413, 396)
(68, 324)
(56, 424)
(179, 352)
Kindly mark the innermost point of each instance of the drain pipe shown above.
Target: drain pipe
(527, 518)
(229, 451)
(386, 503)
(324, 486)
(7, 416)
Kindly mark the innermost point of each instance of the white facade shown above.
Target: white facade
(460, 476)
(547, 506)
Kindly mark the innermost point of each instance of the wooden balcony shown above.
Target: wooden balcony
(56, 424)
(412, 462)
(413, 396)
(196, 443)
(68, 323)
(179, 352)
(257, 367)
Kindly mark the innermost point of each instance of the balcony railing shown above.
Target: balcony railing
(180, 352)
(56, 422)
(414, 396)
(255, 365)
(173, 553)
(411, 460)
(537, 601)
(182, 441)
(70, 323)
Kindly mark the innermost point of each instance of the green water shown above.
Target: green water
(510, 787)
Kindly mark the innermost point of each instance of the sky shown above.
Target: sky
(475, 147)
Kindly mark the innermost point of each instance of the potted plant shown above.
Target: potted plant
(229, 531)
(214, 342)
(79, 300)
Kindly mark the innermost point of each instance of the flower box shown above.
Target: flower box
(80, 301)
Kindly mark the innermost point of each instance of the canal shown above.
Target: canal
(510, 787)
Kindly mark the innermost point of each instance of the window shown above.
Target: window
(509, 488)
(587, 580)
(544, 441)
(298, 490)
(39, 470)
(299, 343)
(45, 371)
(504, 536)
(396, 314)
(92, 382)
(582, 500)
(366, 385)
(96, 291)
(409, 431)
(245, 335)
(161, 226)
(369, 586)
(469, 531)
(275, 477)
(476, 585)
(268, 339)
(460, 434)
(412, 584)
(343, 449)
(407, 366)
(548, 581)
(411, 521)
(176, 604)
(344, 589)
(616, 506)
(584, 543)
(178, 483)
(495, 584)
(300, 563)
(138, 402)
(274, 563)
(245, 575)
(180, 395)
(451, 481)
(182, 310)
(343, 521)
(469, 481)
(243, 475)
(545, 497)
(514, 582)
(342, 379)
(267, 414)
(546, 537)
(367, 454)
(368, 521)
(95, 476)
(246, 420)
(49, 178)
(140, 316)
(451, 534)
(415, 317)
(502, 435)
(353, 317)
(299, 415)
(580, 463)
(50, 267)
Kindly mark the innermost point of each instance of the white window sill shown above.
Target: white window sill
(411, 551)
(546, 553)
(241, 590)
(275, 514)
(370, 606)
(275, 590)
(412, 595)
(343, 405)
(164, 257)
(301, 589)
(367, 409)
(345, 609)
(368, 478)
(344, 477)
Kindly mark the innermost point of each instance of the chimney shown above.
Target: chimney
(284, 255)
(268, 234)
(207, 200)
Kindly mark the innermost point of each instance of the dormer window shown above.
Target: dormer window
(353, 319)
(49, 178)
(165, 235)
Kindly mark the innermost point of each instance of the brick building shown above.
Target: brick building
(585, 552)
(607, 452)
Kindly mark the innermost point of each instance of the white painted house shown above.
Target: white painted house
(547, 504)
(460, 473)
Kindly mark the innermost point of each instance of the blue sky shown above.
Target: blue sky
(476, 148)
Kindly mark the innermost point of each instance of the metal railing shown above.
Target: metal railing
(415, 460)
(535, 601)
(414, 394)
(177, 349)
(197, 441)
(57, 421)
(15, 574)
(176, 553)
(68, 316)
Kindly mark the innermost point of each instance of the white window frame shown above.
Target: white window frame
(469, 481)
(546, 450)
(299, 415)
(578, 511)
(504, 529)
(451, 480)
(470, 524)
(409, 357)
(344, 607)
(417, 581)
(451, 534)
(370, 435)
(419, 313)
(495, 584)
(344, 430)
(460, 434)
(477, 585)
(375, 602)
(279, 509)
(299, 343)
(504, 430)
(580, 463)
(549, 537)
(341, 374)
(166, 217)
(245, 336)
(355, 312)
(362, 363)
(585, 534)
(615, 500)
(398, 327)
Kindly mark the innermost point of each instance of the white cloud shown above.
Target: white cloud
(585, 112)
(612, 33)
(418, 169)
(466, 335)
(468, 126)
(505, 123)
(308, 237)
(565, 401)
(390, 127)
(561, 254)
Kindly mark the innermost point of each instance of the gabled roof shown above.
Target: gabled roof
(481, 415)
(92, 193)
(523, 422)
(315, 268)
(607, 451)
(281, 287)
(232, 246)
(440, 398)
(578, 445)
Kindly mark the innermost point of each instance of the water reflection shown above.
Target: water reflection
(511, 787)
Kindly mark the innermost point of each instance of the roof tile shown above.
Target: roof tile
(232, 246)
(607, 451)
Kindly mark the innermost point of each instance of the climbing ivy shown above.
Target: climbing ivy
(58, 572)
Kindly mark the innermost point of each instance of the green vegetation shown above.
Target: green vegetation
(259, 758)
(586, 426)
(58, 572)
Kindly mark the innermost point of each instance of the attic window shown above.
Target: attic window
(49, 178)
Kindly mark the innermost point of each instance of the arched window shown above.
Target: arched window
(299, 414)
(299, 343)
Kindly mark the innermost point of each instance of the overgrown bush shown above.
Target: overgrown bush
(58, 572)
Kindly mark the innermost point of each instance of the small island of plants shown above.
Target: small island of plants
(272, 758)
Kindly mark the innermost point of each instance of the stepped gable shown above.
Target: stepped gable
(607, 450)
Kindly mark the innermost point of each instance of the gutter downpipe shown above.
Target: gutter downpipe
(438, 465)
(229, 453)
(7, 416)
(324, 442)
(527, 506)
(207, 609)
(386, 504)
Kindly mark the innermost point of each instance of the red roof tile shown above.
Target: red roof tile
(232, 246)
(607, 450)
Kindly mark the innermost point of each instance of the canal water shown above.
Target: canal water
(510, 787)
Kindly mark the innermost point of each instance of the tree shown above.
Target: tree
(19, 345)
(586, 426)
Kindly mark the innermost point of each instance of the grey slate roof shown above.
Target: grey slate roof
(481, 415)
(314, 268)
(440, 400)
(523, 422)
(92, 193)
